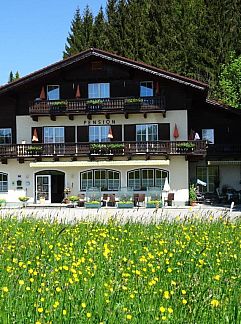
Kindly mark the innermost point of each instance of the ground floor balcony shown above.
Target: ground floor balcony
(96, 106)
(108, 150)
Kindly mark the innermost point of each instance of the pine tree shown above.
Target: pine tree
(87, 29)
(11, 77)
(17, 76)
(100, 37)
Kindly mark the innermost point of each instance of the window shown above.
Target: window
(145, 133)
(53, 92)
(99, 133)
(5, 136)
(99, 90)
(146, 89)
(3, 182)
(101, 178)
(210, 175)
(208, 135)
(53, 134)
(142, 179)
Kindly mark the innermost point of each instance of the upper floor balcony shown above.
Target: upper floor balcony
(224, 151)
(96, 106)
(107, 150)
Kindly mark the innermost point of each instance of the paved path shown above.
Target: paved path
(143, 215)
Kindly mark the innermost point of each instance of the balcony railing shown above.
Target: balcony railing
(224, 150)
(97, 106)
(103, 149)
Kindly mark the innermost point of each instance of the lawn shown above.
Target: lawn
(173, 272)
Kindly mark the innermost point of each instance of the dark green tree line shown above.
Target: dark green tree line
(191, 37)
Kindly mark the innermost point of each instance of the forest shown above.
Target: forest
(200, 39)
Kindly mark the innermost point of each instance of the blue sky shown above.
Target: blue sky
(33, 32)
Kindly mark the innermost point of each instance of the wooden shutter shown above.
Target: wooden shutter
(82, 134)
(69, 134)
(164, 132)
(39, 133)
(117, 133)
(130, 133)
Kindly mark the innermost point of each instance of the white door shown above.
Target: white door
(43, 188)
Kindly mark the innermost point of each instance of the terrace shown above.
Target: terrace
(91, 107)
(108, 150)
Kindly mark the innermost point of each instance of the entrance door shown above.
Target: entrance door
(43, 188)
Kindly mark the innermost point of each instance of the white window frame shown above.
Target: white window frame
(138, 182)
(48, 91)
(96, 133)
(109, 182)
(56, 139)
(208, 135)
(145, 94)
(3, 183)
(6, 130)
(99, 90)
(146, 133)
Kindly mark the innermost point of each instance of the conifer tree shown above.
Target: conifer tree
(100, 37)
(11, 77)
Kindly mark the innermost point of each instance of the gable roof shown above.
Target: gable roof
(223, 107)
(109, 57)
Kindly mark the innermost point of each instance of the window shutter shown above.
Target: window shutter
(69, 134)
(130, 133)
(39, 133)
(82, 134)
(117, 133)
(164, 132)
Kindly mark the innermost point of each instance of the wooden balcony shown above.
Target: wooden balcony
(225, 151)
(98, 150)
(91, 107)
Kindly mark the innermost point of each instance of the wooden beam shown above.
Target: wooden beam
(89, 116)
(21, 160)
(71, 117)
(107, 116)
(164, 114)
(4, 160)
(52, 117)
(34, 118)
(126, 115)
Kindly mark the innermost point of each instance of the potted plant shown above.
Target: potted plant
(192, 195)
(92, 204)
(94, 104)
(185, 147)
(132, 103)
(24, 200)
(2, 202)
(34, 150)
(73, 199)
(58, 106)
(125, 201)
(154, 204)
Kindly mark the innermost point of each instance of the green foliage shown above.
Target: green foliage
(192, 193)
(13, 77)
(2, 202)
(53, 272)
(23, 198)
(230, 82)
(133, 100)
(186, 145)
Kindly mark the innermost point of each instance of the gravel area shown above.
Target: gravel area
(137, 215)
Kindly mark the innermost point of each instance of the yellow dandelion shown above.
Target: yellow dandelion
(83, 305)
(184, 292)
(88, 315)
(128, 316)
(170, 310)
(217, 277)
(5, 289)
(166, 294)
(21, 282)
(184, 301)
(169, 270)
(37, 322)
(164, 318)
(58, 289)
(64, 311)
(40, 309)
(215, 303)
(162, 309)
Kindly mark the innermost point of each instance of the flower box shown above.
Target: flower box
(92, 204)
(154, 204)
(128, 204)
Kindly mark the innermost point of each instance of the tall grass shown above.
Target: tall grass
(178, 272)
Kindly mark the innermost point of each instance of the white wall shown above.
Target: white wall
(24, 123)
(178, 170)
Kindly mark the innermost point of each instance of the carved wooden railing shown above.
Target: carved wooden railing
(102, 149)
(93, 106)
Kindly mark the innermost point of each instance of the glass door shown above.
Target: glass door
(43, 188)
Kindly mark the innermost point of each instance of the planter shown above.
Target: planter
(92, 205)
(132, 106)
(153, 204)
(125, 205)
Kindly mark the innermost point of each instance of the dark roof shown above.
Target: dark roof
(107, 56)
(223, 106)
